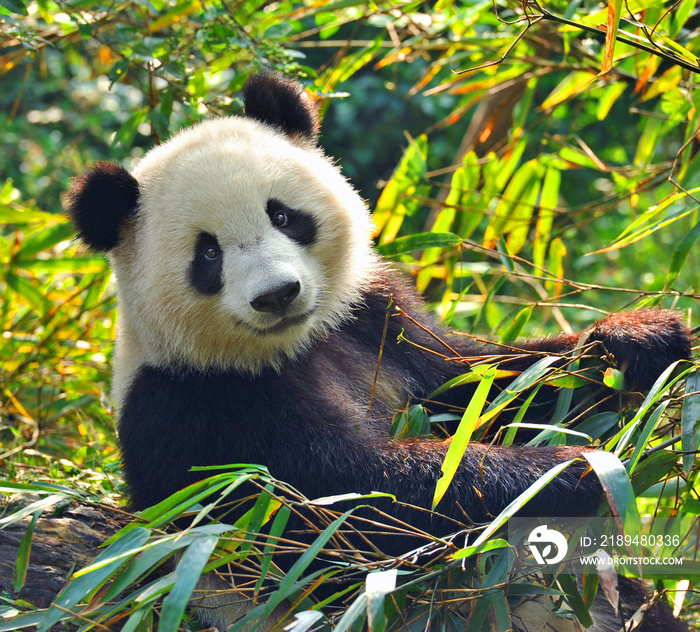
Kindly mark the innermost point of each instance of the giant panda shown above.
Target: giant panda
(252, 308)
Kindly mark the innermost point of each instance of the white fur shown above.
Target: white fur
(217, 177)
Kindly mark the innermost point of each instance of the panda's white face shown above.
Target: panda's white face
(244, 248)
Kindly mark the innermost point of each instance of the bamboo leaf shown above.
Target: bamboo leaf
(14, 6)
(349, 65)
(354, 615)
(37, 506)
(574, 83)
(187, 574)
(680, 254)
(516, 325)
(491, 545)
(27, 291)
(524, 381)
(17, 621)
(557, 251)
(408, 244)
(511, 211)
(690, 421)
(392, 205)
(610, 95)
(616, 483)
(146, 560)
(461, 438)
(9, 215)
(85, 265)
(644, 220)
(45, 239)
(475, 375)
(612, 378)
(127, 132)
(23, 553)
(548, 202)
(574, 599)
(286, 586)
(276, 531)
(659, 387)
(646, 433)
(613, 24)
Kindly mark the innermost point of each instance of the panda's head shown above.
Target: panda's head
(235, 244)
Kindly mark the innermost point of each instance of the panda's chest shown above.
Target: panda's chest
(354, 379)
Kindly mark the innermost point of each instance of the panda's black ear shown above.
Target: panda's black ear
(99, 202)
(284, 104)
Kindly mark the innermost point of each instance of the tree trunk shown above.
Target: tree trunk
(62, 542)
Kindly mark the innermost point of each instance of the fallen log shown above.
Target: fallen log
(64, 540)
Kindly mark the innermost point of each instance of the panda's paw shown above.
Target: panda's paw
(644, 343)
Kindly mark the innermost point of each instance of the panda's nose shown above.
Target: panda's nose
(277, 301)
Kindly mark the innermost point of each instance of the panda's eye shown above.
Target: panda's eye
(279, 219)
(212, 253)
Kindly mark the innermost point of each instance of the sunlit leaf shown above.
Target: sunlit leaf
(519, 502)
(613, 22)
(9, 215)
(45, 239)
(574, 83)
(525, 380)
(557, 251)
(410, 243)
(548, 202)
(393, 204)
(516, 206)
(612, 378)
(461, 438)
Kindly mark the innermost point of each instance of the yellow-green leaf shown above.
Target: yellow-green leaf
(613, 23)
(461, 438)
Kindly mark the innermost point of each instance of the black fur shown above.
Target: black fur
(100, 201)
(299, 226)
(206, 272)
(283, 104)
(644, 347)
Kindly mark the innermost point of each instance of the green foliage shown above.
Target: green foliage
(553, 180)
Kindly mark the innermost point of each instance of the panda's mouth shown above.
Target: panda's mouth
(281, 325)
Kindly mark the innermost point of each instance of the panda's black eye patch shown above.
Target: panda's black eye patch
(297, 225)
(205, 271)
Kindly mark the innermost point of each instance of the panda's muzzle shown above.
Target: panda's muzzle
(277, 301)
